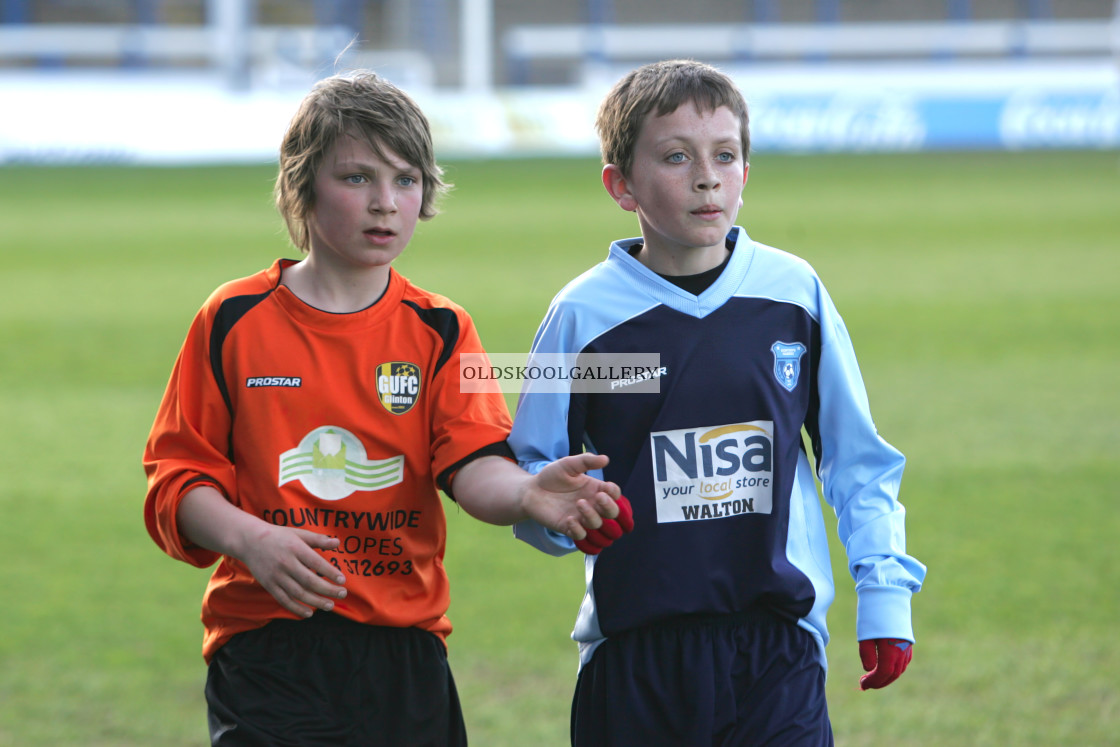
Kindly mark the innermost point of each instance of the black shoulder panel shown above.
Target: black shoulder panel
(231, 310)
(445, 323)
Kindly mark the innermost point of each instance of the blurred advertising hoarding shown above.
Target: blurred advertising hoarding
(135, 117)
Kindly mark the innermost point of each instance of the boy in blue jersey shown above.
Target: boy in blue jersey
(706, 624)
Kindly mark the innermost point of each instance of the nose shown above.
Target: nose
(383, 198)
(706, 177)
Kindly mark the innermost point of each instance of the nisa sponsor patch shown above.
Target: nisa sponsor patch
(398, 386)
(715, 472)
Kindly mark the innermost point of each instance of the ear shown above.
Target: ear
(618, 187)
(746, 169)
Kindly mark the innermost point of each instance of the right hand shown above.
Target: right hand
(885, 659)
(285, 562)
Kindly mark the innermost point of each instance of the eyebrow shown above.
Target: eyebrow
(357, 164)
(734, 139)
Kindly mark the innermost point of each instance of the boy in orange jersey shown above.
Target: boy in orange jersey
(313, 411)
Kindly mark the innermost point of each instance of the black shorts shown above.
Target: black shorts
(727, 681)
(332, 681)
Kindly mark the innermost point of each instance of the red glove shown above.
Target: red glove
(598, 539)
(885, 659)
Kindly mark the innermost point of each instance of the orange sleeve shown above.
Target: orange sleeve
(189, 443)
(464, 423)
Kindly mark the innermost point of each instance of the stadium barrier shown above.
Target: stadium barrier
(583, 43)
(1004, 102)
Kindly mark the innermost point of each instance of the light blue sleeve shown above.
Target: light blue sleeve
(543, 538)
(592, 303)
(860, 475)
(539, 435)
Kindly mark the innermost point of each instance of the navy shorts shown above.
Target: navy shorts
(332, 681)
(731, 681)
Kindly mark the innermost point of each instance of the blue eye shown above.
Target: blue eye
(675, 158)
(407, 181)
(726, 157)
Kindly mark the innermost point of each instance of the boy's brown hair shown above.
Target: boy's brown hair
(661, 87)
(362, 105)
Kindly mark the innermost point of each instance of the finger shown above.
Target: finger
(289, 602)
(314, 593)
(610, 530)
(316, 540)
(589, 461)
(321, 578)
(610, 489)
(322, 569)
(593, 543)
(878, 678)
(571, 527)
(604, 504)
(889, 665)
(898, 654)
(625, 517)
(872, 681)
(867, 655)
(306, 576)
(587, 547)
(322, 588)
(588, 516)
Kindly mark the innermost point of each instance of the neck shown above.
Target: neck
(682, 261)
(337, 293)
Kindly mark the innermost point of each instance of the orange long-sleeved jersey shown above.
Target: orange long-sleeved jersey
(343, 424)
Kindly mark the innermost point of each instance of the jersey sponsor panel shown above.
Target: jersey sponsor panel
(713, 472)
(331, 463)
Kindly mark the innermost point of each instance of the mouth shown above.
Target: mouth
(708, 211)
(381, 233)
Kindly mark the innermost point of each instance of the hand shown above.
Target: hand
(885, 659)
(563, 497)
(599, 539)
(283, 560)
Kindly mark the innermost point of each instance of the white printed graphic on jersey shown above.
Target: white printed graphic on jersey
(715, 472)
(331, 463)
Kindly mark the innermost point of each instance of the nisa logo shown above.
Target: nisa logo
(711, 473)
(398, 386)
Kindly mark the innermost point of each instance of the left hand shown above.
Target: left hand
(885, 659)
(564, 498)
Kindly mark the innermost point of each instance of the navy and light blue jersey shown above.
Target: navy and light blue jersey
(727, 514)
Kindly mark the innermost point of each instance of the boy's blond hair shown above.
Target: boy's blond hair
(362, 105)
(661, 87)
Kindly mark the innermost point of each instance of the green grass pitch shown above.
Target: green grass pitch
(982, 292)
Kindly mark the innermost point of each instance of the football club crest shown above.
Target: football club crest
(398, 386)
(787, 363)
